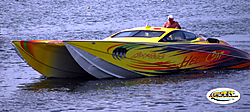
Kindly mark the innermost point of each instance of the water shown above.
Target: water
(24, 89)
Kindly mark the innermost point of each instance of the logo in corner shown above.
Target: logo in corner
(223, 96)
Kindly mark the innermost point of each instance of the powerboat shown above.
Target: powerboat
(136, 52)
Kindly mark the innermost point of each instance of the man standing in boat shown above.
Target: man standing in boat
(171, 23)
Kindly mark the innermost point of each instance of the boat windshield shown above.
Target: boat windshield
(139, 34)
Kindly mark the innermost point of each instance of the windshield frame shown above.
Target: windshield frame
(138, 33)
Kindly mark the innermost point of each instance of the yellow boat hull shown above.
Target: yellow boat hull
(136, 52)
(50, 58)
(153, 59)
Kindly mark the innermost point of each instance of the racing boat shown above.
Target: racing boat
(137, 52)
(153, 51)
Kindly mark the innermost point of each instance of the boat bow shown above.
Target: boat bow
(96, 66)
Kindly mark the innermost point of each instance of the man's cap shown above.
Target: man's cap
(171, 16)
